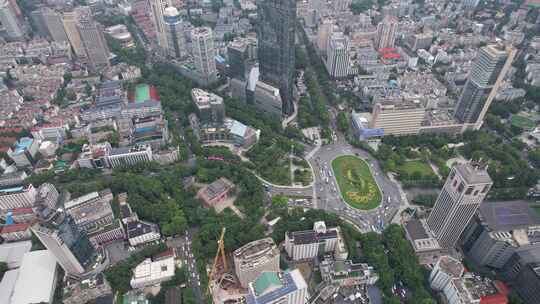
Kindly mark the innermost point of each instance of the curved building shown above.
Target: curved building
(254, 258)
(174, 33)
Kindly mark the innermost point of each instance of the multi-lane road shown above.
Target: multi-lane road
(324, 192)
(183, 247)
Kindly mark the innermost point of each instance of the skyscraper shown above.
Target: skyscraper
(276, 35)
(70, 25)
(337, 59)
(174, 32)
(325, 29)
(53, 22)
(386, 32)
(466, 187)
(237, 52)
(70, 246)
(487, 73)
(158, 7)
(204, 52)
(93, 40)
(10, 22)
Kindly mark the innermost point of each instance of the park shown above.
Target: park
(356, 183)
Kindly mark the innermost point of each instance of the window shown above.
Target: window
(469, 191)
(486, 188)
(476, 193)
(461, 187)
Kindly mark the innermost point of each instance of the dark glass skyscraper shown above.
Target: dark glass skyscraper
(487, 73)
(276, 37)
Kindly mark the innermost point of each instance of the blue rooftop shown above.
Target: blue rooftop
(23, 144)
(287, 287)
(11, 190)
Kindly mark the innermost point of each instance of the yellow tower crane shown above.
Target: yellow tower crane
(220, 254)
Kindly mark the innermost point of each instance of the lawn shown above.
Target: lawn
(416, 166)
(522, 122)
(357, 186)
(537, 209)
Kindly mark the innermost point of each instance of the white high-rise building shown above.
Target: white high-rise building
(323, 34)
(174, 32)
(337, 61)
(466, 187)
(93, 40)
(53, 22)
(204, 53)
(69, 20)
(387, 32)
(158, 7)
(9, 21)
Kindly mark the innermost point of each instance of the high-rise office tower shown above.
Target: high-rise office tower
(53, 22)
(71, 247)
(204, 53)
(10, 22)
(174, 32)
(158, 7)
(70, 26)
(276, 36)
(387, 32)
(323, 34)
(466, 187)
(93, 40)
(237, 53)
(337, 59)
(487, 73)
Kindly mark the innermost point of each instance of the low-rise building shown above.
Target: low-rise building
(17, 197)
(425, 245)
(24, 152)
(86, 290)
(398, 116)
(347, 273)
(91, 211)
(309, 244)
(140, 232)
(106, 234)
(137, 232)
(255, 258)
(122, 157)
(153, 272)
(446, 269)
(473, 289)
(13, 253)
(36, 279)
(215, 193)
(16, 232)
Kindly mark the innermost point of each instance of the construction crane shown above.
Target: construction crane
(220, 254)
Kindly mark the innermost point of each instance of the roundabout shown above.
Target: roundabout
(356, 183)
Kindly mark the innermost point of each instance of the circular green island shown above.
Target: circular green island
(357, 185)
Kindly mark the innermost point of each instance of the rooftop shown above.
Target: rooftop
(508, 215)
(37, 276)
(451, 266)
(473, 173)
(12, 253)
